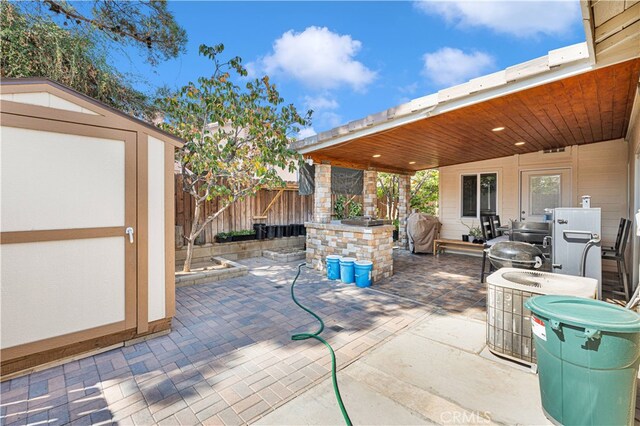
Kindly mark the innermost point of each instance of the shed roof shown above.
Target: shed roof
(94, 109)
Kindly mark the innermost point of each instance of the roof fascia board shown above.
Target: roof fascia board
(448, 102)
(22, 85)
(587, 22)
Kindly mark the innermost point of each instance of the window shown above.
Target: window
(470, 196)
(545, 192)
(479, 194)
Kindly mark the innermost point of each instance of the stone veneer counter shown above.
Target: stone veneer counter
(374, 243)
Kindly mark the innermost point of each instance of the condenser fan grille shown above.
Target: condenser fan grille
(531, 279)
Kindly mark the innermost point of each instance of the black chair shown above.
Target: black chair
(486, 224)
(495, 224)
(616, 253)
(488, 233)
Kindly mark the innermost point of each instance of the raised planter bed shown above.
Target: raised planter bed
(236, 238)
(239, 250)
(216, 270)
(288, 254)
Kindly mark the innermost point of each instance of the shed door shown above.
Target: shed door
(68, 267)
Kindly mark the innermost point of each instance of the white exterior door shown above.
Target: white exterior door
(541, 189)
(68, 264)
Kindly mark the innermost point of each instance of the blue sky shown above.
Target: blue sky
(346, 60)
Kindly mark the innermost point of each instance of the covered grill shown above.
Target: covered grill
(422, 229)
(514, 254)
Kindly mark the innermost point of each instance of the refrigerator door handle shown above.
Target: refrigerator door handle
(589, 234)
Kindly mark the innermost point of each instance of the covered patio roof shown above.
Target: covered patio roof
(572, 104)
(575, 95)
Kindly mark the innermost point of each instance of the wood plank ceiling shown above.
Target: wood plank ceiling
(587, 108)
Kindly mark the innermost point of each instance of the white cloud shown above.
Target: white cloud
(329, 119)
(306, 132)
(318, 58)
(449, 66)
(515, 17)
(409, 89)
(320, 102)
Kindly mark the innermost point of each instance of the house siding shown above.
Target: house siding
(633, 137)
(599, 170)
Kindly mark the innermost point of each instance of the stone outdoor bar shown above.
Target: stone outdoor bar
(373, 243)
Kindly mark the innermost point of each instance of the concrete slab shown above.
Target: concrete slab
(505, 394)
(427, 404)
(318, 406)
(459, 332)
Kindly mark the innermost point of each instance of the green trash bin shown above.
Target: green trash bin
(588, 355)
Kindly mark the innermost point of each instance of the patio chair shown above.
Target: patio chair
(489, 223)
(616, 253)
(495, 224)
(486, 224)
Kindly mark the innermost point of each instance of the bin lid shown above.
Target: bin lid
(585, 313)
(364, 263)
(348, 259)
(334, 256)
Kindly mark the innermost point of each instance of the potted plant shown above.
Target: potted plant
(243, 235)
(474, 235)
(223, 237)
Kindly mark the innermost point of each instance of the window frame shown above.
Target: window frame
(478, 193)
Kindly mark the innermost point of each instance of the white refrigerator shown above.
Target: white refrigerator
(573, 230)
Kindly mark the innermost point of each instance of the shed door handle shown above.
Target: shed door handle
(129, 231)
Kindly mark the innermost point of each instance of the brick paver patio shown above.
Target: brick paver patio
(229, 358)
(447, 282)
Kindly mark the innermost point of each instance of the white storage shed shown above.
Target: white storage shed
(87, 225)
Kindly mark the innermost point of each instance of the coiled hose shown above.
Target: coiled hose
(316, 335)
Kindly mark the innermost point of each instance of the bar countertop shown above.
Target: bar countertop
(351, 228)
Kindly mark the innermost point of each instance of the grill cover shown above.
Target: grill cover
(422, 229)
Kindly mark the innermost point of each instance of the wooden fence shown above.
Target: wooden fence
(289, 207)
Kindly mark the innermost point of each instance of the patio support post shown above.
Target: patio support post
(404, 205)
(370, 193)
(322, 194)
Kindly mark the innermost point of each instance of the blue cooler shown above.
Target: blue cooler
(363, 270)
(347, 270)
(333, 266)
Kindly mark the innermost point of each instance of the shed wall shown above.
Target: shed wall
(156, 245)
(73, 180)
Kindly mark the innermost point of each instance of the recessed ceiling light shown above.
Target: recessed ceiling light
(497, 129)
(412, 162)
(519, 143)
(377, 155)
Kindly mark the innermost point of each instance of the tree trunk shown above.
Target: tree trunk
(193, 234)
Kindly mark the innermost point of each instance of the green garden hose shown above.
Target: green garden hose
(305, 336)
